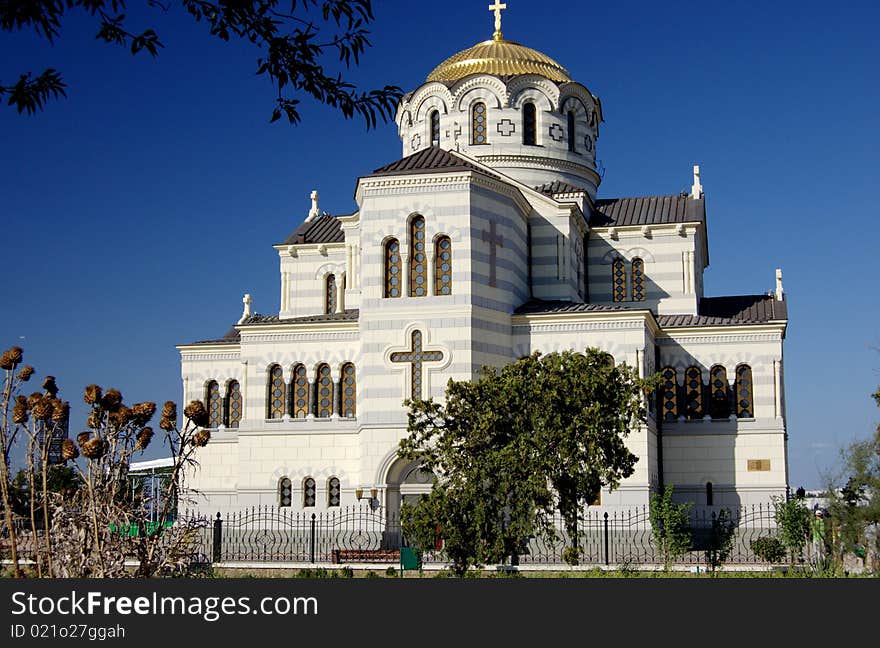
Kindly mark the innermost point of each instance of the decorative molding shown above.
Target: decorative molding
(191, 356)
(715, 338)
(301, 337)
(626, 325)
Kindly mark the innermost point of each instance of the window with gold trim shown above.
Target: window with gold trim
(212, 398)
(618, 280)
(393, 269)
(325, 392)
(276, 392)
(719, 388)
(670, 394)
(693, 386)
(331, 296)
(443, 266)
(233, 404)
(349, 391)
(300, 386)
(309, 492)
(418, 258)
(479, 123)
(638, 280)
(530, 124)
(745, 406)
(435, 128)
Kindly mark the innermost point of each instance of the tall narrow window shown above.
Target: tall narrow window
(276, 392)
(709, 498)
(638, 280)
(349, 391)
(418, 267)
(333, 492)
(443, 266)
(435, 128)
(571, 131)
(670, 394)
(745, 407)
(392, 269)
(325, 392)
(212, 397)
(285, 492)
(720, 401)
(309, 492)
(330, 296)
(618, 280)
(693, 384)
(300, 386)
(233, 404)
(478, 123)
(530, 124)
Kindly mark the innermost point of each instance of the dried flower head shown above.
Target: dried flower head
(169, 410)
(197, 413)
(142, 413)
(82, 437)
(143, 438)
(60, 411)
(111, 400)
(94, 448)
(20, 414)
(50, 386)
(200, 439)
(43, 409)
(120, 417)
(33, 399)
(92, 394)
(167, 424)
(26, 372)
(94, 420)
(69, 450)
(10, 358)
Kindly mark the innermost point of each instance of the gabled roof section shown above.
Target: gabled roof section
(648, 210)
(233, 336)
(556, 188)
(323, 229)
(730, 311)
(541, 307)
(430, 160)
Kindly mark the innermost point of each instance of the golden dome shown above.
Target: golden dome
(500, 58)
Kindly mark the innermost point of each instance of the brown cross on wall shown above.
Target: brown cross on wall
(493, 239)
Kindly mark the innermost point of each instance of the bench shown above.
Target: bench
(342, 556)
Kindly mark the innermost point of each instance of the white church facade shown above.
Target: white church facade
(485, 242)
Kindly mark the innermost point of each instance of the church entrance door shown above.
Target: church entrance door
(406, 482)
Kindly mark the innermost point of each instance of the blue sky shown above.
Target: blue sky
(137, 211)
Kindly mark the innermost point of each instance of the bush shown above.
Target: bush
(769, 549)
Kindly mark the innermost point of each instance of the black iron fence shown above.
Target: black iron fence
(269, 534)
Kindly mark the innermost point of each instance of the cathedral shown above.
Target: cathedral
(486, 241)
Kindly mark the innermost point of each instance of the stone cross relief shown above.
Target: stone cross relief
(494, 240)
(506, 127)
(415, 357)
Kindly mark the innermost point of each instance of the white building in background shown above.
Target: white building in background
(484, 242)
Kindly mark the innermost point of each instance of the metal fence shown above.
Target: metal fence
(269, 534)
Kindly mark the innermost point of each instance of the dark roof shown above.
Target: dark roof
(323, 229)
(540, 307)
(648, 210)
(232, 337)
(557, 187)
(345, 316)
(730, 311)
(430, 160)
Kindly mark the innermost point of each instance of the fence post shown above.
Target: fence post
(312, 541)
(606, 538)
(218, 538)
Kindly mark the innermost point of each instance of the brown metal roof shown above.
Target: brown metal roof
(345, 316)
(430, 160)
(323, 229)
(648, 210)
(232, 337)
(557, 187)
(540, 307)
(730, 311)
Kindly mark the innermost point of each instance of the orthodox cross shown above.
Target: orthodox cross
(415, 358)
(493, 239)
(497, 8)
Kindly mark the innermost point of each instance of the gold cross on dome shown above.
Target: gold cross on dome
(497, 8)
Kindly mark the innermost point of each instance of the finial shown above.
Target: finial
(780, 293)
(314, 211)
(697, 188)
(497, 8)
(247, 301)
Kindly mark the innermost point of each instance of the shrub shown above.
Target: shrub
(769, 549)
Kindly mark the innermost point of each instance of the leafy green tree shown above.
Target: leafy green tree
(721, 536)
(294, 39)
(793, 518)
(670, 526)
(540, 435)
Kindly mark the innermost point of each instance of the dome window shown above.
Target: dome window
(435, 128)
(571, 132)
(478, 123)
(530, 127)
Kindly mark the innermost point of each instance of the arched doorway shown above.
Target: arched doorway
(405, 482)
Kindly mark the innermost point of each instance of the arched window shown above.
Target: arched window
(720, 401)
(693, 384)
(308, 492)
(435, 128)
(325, 392)
(709, 499)
(333, 492)
(443, 266)
(530, 124)
(300, 387)
(233, 404)
(745, 407)
(330, 296)
(285, 492)
(638, 280)
(349, 391)
(618, 280)
(212, 398)
(276, 392)
(418, 266)
(571, 131)
(670, 394)
(478, 123)
(392, 269)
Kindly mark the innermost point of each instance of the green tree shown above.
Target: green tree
(539, 436)
(294, 40)
(793, 519)
(721, 536)
(670, 526)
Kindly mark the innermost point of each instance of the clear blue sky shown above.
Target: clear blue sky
(138, 211)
